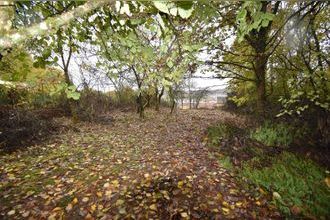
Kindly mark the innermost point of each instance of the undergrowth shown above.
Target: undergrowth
(271, 134)
(298, 184)
(218, 132)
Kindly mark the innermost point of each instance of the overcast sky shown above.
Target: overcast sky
(102, 83)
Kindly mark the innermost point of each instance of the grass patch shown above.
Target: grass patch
(65, 200)
(218, 132)
(299, 182)
(225, 162)
(273, 134)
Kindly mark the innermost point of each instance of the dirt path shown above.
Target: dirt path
(157, 168)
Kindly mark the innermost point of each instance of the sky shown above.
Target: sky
(102, 83)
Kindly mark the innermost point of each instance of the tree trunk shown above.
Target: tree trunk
(158, 98)
(140, 106)
(258, 41)
(260, 72)
(66, 75)
(173, 106)
(172, 99)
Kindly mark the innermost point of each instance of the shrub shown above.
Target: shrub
(297, 182)
(124, 97)
(273, 134)
(91, 105)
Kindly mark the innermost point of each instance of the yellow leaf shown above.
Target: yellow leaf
(233, 191)
(262, 191)
(74, 201)
(100, 207)
(120, 202)
(153, 207)
(93, 207)
(88, 216)
(11, 212)
(184, 214)
(57, 209)
(219, 196)
(26, 214)
(180, 184)
(225, 211)
(115, 183)
(108, 193)
(52, 217)
(99, 194)
(11, 176)
(327, 181)
(276, 195)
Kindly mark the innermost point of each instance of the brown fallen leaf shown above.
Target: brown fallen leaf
(296, 210)
(69, 207)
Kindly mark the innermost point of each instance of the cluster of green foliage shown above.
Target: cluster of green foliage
(25, 84)
(125, 96)
(274, 134)
(218, 132)
(297, 182)
(251, 17)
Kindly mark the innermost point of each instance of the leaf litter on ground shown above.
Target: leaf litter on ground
(129, 169)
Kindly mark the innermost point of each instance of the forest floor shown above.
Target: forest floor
(157, 168)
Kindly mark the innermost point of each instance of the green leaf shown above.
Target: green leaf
(147, 52)
(71, 92)
(161, 6)
(170, 63)
(185, 13)
(242, 14)
(186, 5)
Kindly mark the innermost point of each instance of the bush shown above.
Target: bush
(126, 97)
(12, 95)
(273, 134)
(299, 185)
(91, 105)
